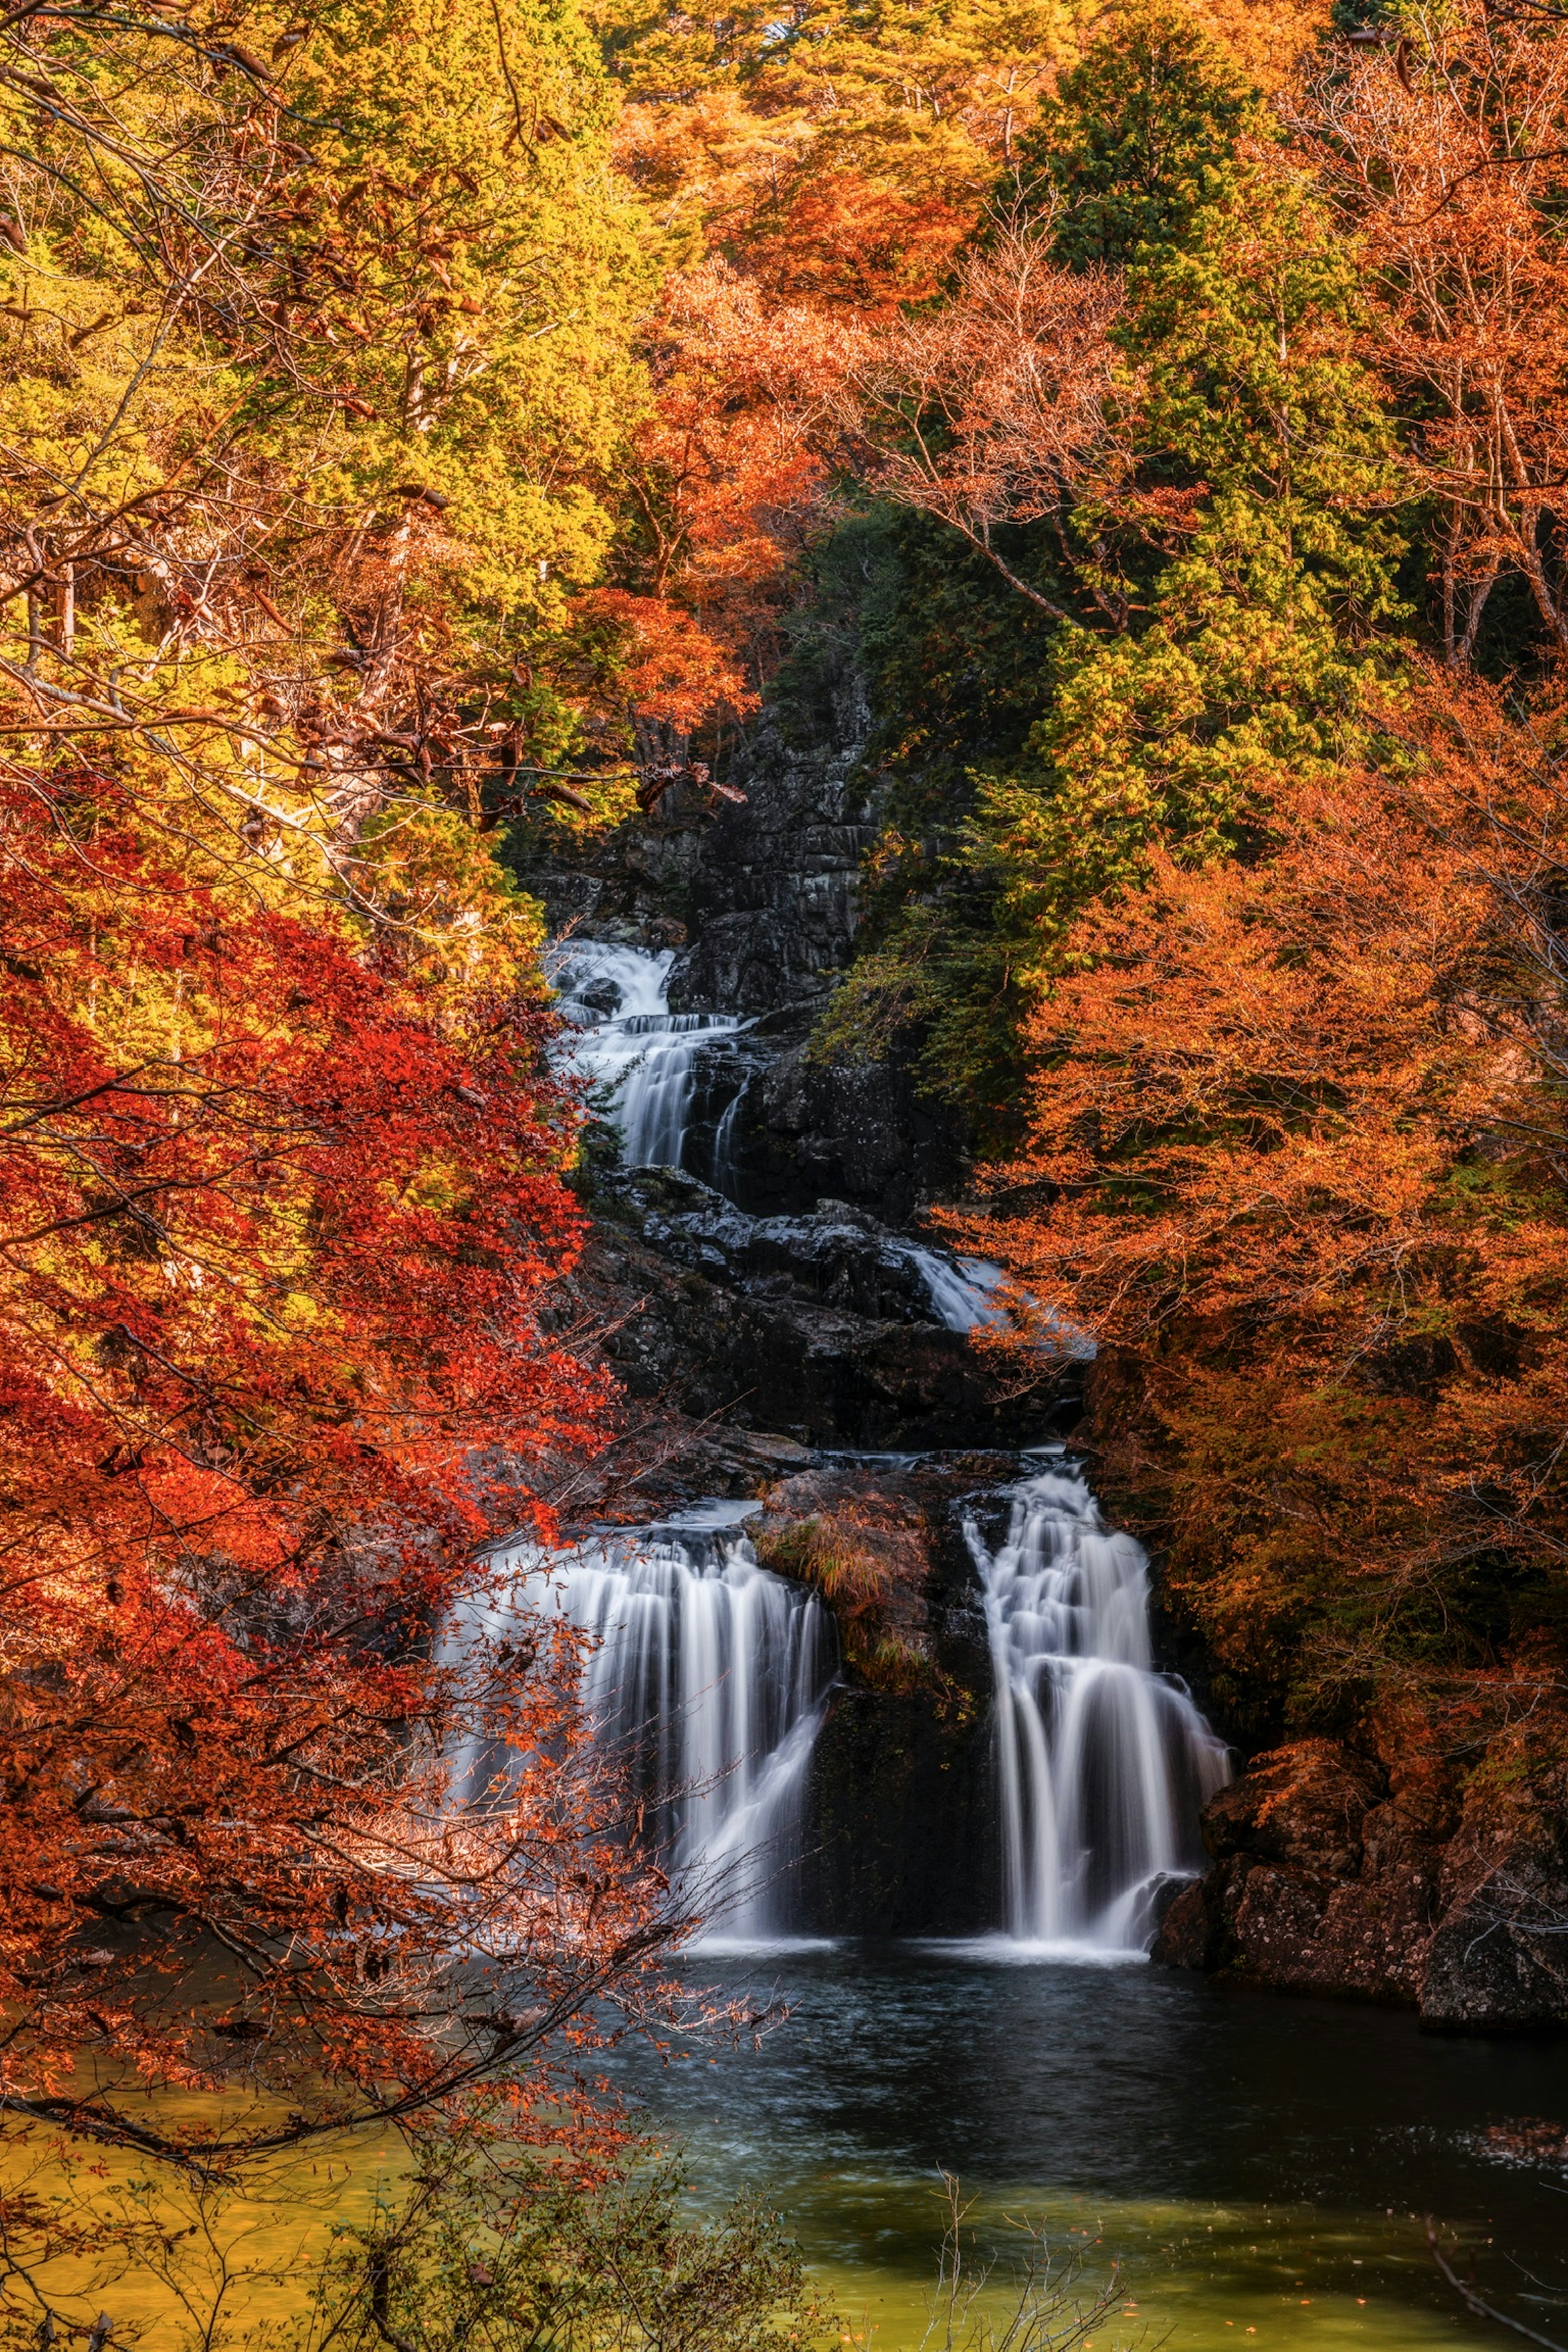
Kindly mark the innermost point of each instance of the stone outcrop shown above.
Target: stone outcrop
(1379, 1875)
(861, 1132)
(902, 1837)
(817, 1327)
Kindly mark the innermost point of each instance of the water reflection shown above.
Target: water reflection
(1260, 2164)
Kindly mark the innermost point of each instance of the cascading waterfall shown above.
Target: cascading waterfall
(709, 1673)
(628, 1040)
(712, 1673)
(1104, 1765)
(960, 1288)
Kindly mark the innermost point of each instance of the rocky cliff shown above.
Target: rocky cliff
(1383, 1873)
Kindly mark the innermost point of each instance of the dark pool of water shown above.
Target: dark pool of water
(1258, 2163)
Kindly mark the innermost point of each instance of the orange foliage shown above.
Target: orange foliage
(1300, 1142)
(1449, 154)
(991, 409)
(725, 480)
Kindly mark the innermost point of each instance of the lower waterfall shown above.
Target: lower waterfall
(1103, 1766)
(710, 1674)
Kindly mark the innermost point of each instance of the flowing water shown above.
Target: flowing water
(1256, 2172)
(961, 1289)
(1260, 2168)
(629, 1044)
(713, 1675)
(710, 1675)
(1104, 1764)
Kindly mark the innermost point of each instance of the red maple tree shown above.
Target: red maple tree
(275, 1371)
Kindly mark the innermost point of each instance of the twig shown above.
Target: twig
(1468, 2294)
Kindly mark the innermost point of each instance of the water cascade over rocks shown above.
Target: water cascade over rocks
(715, 1675)
(710, 1674)
(1104, 1765)
(630, 1043)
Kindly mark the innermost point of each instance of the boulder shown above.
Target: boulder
(820, 1327)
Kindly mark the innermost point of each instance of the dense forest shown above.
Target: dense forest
(432, 437)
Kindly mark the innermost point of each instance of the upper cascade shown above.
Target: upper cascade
(626, 1040)
(1104, 1765)
(630, 1043)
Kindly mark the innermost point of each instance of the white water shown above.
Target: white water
(960, 1288)
(644, 1054)
(1103, 1765)
(710, 1674)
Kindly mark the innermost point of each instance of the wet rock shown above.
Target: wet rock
(836, 1254)
(861, 1132)
(1184, 1936)
(1374, 1876)
(819, 1327)
(902, 1837)
(601, 996)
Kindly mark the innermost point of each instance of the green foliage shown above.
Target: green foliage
(1254, 559)
(1140, 135)
(509, 2254)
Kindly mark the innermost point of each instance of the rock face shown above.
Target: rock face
(1378, 1876)
(771, 904)
(860, 1131)
(900, 1833)
(632, 886)
(816, 1325)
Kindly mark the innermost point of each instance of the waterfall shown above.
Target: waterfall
(709, 1673)
(628, 1041)
(960, 1288)
(723, 1177)
(1104, 1764)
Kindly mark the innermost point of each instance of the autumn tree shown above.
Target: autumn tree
(1443, 142)
(1296, 1158)
(310, 337)
(1137, 136)
(1188, 466)
(723, 485)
